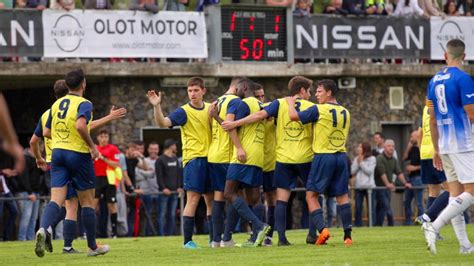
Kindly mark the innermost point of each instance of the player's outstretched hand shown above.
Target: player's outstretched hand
(437, 163)
(155, 99)
(241, 155)
(291, 100)
(117, 113)
(228, 125)
(41, 163)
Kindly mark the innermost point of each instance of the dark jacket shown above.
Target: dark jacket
(168, 173)
(29, 181)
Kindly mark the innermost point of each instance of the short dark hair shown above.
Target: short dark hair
(256, 86)
(329, 85)
(456, 48)
(74, 79)
(236, 80)
(153, 143)
(103, 131)
(298, 82)
(196, 81)
(380, 134)
(139, 143)
(60, 88)
(245, 83)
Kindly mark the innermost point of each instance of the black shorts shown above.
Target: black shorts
(103, 188)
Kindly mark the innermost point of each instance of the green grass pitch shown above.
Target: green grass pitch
(372, 246)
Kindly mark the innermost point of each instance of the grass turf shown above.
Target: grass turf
(375, 246)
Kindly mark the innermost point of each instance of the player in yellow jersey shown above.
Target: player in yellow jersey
(269, 161)
(195, 123)
(69, 212)
(329, 169)
(72, 153)
(293, 149)
(220, 154)
(246, 165)
(435, 179)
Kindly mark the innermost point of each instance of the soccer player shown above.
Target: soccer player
(246, 165)
(429, 175)
(220, 154)
(73, 152)
(108, 159)
(269, 161)
(293, 149)
(329, 169)
(451, 107)
(195, 123)
(69, 213)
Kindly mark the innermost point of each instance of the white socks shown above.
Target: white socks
(459, 226)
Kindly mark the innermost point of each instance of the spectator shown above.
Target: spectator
(20, 3)
(168, 174)
(28, 187)
(467, 7)
(7, 172)
(66, 5)
(176, 5)
(335, 7)
(144, 5)
(363, 167)
(408, 8)
(450, 8)
(6, 4)
(412, 154)
(375, 7)
(301, 9)
(379, 141)
(146, 181)
(386, 166)
(431, 8)
(97, 4)
(354, 7)
(202, 3)
(38, 4)
(122, 226)
(279, 2)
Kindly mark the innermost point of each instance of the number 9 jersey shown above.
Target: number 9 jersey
(62, 122)
(448, 92)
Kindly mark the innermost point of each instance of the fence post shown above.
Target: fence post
(369, 200)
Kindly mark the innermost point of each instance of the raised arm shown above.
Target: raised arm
(113, 115)
(155, 100)
(255, 117)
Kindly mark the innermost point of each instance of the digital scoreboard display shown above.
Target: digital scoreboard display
(253, 33)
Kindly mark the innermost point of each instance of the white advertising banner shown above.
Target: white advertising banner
(97, 34)
(443, 30)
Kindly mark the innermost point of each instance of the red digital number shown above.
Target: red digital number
(243, 48)
(232, 22)
(277, 21)
(257, 51)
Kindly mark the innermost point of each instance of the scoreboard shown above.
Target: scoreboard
(250, 34)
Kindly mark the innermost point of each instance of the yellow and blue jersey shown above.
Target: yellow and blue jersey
(221, 150)
(426, 146)
(293, 138)
(195, 130)
(39, 133)
(331, 127)
(269, 158)
(62, 122)
(252, 136)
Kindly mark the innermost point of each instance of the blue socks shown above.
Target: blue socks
(188, 228)
(259, 211)
(232, 218)
(247, 214)
(318, 219)
(280, 219)
(345, 212)
(429, 202)
(89, 222)
(59, 218)
(210, 227)
(271, 219)
(218, 220)
(438, 205)
(69, 234)
(50, 215)
(312, 227)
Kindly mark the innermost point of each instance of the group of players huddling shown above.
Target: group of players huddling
(236, 145)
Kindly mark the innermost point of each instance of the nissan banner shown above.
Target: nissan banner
(361, 37)
(443, 30)
(92, 33)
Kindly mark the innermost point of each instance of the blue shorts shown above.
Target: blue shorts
(71, 191)
(268, 179)
(286, 174)
(72, 168)
(218, 173)
(196, 176)
(329, 174)
(429, 174)
(250, 175)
